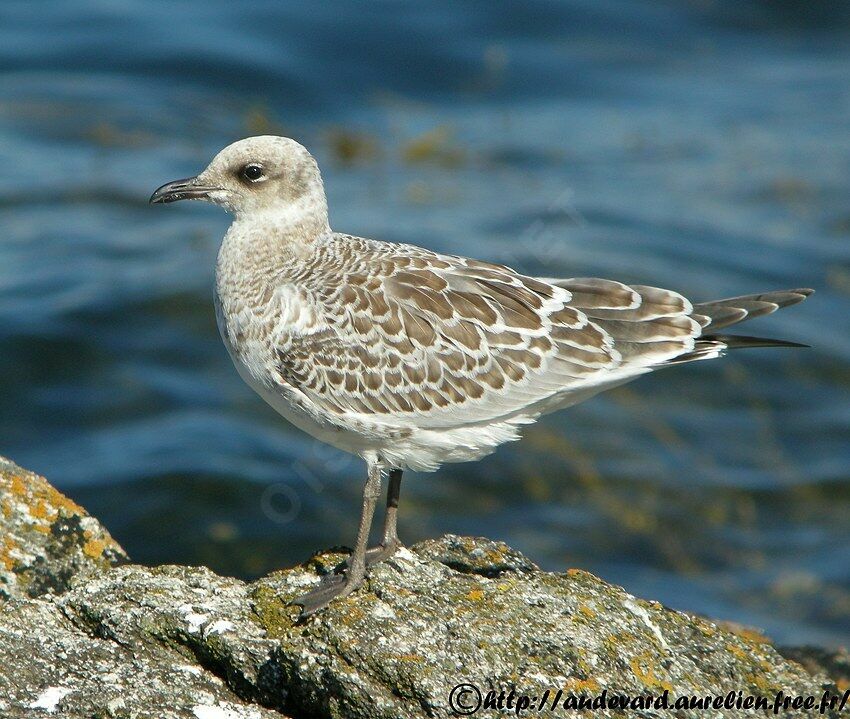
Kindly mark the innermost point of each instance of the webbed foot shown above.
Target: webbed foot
(342, 582)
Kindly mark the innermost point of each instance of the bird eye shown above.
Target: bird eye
(252, 172)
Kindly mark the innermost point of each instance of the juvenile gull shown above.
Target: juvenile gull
(410, 358)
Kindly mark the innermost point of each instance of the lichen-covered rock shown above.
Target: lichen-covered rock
(82, 639)
(492, 621)
(46, 539)
(184, 642)
(834, 663)
(52, 667)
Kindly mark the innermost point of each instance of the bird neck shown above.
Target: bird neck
(265, 243)
(294, 223)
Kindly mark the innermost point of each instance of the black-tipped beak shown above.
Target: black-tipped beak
(187, 189)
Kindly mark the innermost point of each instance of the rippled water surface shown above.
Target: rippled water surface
(700, 145)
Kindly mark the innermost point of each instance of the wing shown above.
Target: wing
(452, 341)
(658, 327)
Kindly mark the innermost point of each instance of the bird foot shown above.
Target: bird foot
(374, 555)
(331, 587)
(342, 582)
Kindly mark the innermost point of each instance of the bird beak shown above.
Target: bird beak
(188, 189)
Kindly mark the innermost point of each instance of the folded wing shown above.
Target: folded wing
(447, 341)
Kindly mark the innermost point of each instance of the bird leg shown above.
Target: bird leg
(390, 542)
(389, 535)
(341, 585)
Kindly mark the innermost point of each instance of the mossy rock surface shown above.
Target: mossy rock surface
(46, 538)
(174, 642)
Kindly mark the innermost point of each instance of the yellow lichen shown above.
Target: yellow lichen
(738, 652)
(410, 658)
(93, 548)
(581, 686)
(403, 592)
(6, 550)
(34, 490)
(753, 636)
(274, 615)
(40, 510)
(354, 614)
(17, 486)
(475, 595)
(587, 611)
(59, 501)
(761, 683)
(643, 667)
(494, 556)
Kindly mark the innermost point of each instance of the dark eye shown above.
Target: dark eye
(252, 172)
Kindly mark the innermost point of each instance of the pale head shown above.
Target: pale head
(265, 174)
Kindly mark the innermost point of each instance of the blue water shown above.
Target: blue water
(700, 145)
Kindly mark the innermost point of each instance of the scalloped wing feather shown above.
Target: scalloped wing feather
(446, 341)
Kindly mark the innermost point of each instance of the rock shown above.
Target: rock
(53, 667)
(834, 663)
(60, 664)
(174, 642)
(46, 538)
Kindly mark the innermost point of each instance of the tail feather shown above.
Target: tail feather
(651, 327)
(734, 342)
(711, 346)
(723, 313)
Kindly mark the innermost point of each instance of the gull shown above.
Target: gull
(410, 358)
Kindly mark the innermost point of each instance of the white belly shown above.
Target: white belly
(402, 447)
(416, 449)
(304, 420)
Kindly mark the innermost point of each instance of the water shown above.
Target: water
(700, 145)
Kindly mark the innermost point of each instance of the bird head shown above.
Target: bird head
(264, 174)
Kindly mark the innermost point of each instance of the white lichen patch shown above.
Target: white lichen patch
(49, 699)
(383, 610)
(190, 669)
(116, 705)
(219, 626)
(224, 710)
(302, 579)
(405, 554)
(643, 615)
(195, 621)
